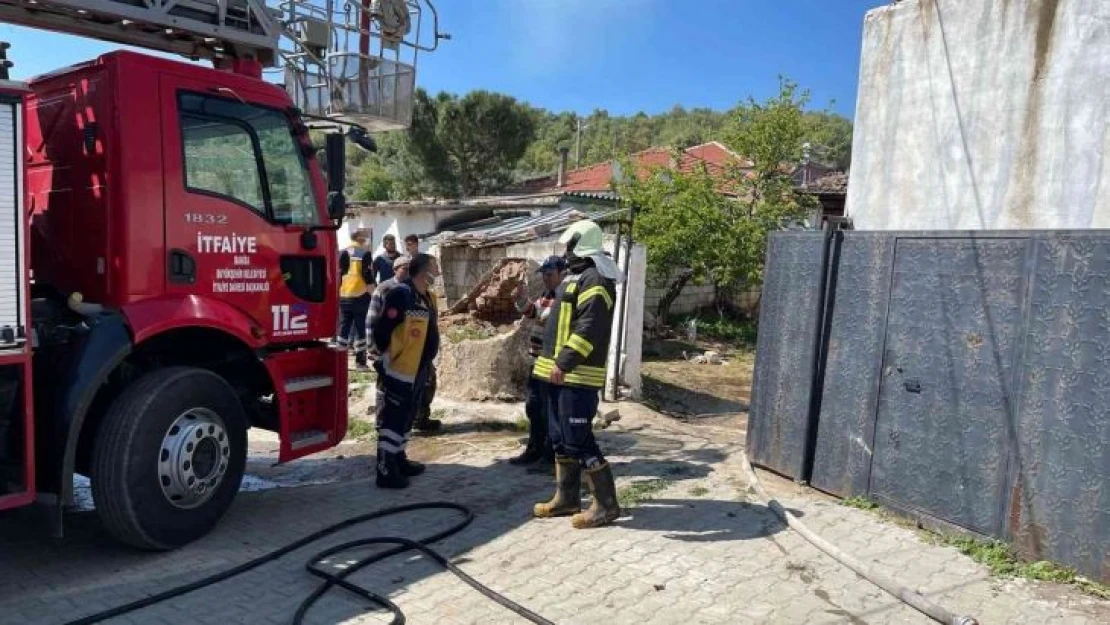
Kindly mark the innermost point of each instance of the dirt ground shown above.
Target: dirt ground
(679, 387)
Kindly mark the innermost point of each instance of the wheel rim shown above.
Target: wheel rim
(194, 458)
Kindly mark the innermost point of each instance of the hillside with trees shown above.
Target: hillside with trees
(479, 143)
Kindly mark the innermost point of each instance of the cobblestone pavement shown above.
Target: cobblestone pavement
(696, 551)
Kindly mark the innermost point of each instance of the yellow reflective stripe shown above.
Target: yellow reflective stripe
(543, 367)
(563, 332)
(588, 380)
(595, 291)
(580, 345)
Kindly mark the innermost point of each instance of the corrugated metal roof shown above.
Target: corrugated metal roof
(516, 229)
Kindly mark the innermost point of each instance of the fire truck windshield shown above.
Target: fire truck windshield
(247, 154)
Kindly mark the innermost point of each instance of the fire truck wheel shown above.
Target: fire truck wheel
(169, 458)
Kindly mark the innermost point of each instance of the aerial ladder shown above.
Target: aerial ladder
(350, 62)
(168, 247)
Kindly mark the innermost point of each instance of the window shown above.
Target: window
(248, 154)
(290, 191)
(220, 159)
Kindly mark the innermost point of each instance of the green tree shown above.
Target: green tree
(372, 183)
(697, 227)
(471, 145)
(771, 135)
(679, 217)
(830, 139)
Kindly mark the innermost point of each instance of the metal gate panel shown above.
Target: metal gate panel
(943, 426)
(860, 289)
(1061, 507)
(780, 419)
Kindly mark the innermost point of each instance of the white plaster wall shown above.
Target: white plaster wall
(396, 221)
(983, 114)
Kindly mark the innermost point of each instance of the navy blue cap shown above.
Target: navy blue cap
(553, 263)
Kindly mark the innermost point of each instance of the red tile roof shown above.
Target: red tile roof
(594, 178)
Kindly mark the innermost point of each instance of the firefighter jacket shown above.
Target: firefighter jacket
(576, 335)
(407, 333)
(356, 273)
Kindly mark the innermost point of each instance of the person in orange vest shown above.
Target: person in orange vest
(355, 287)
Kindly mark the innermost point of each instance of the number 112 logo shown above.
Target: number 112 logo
(290, 319)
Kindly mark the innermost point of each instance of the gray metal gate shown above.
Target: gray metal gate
(962, 377)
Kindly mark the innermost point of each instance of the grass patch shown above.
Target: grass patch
(521, 424)
(362, 377)
(438, 413)
(997, 556)
(358, 428)
(469, 332)
(1002, 561)
(638, 492)
(859, 503)
(713, 327)
(699, 491)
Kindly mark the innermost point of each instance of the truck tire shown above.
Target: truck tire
(169, 457)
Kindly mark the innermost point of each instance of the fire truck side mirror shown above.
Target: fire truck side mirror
(335, 152)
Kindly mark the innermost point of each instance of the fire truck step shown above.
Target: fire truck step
(308, 383)
(307, 438)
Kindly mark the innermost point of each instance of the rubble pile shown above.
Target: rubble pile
(491, 300)
(483, 369)
(484, 354)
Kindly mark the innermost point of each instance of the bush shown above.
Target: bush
(728, 329)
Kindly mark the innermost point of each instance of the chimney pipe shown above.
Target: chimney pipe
(564, 152)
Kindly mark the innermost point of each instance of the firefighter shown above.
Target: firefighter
(573, 362)
(407, 337)
(354, 296)
(540, 419)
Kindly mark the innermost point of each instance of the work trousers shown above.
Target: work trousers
(352, 325)
(573, 410)
(425, 396)
(394, 412)
(540, 419)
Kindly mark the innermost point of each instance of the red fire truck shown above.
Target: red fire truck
(168, 249)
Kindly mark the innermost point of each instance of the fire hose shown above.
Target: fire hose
(404, 545)
(911, 598)
(332, 580)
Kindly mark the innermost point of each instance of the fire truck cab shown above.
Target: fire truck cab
(185, 205)
(168, 252)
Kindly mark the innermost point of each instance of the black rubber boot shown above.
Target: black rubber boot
(410, 468)
(604, 509)
(390, 473)
(568, 490)
(427, 425)
(530, 454)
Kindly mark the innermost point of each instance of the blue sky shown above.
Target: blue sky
(621, 55)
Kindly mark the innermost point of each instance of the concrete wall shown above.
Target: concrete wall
(983, 114)
(693, 298)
